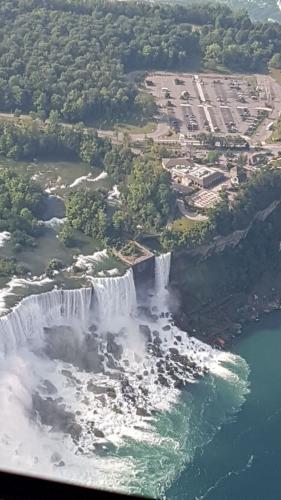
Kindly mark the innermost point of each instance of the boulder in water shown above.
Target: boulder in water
(166, 328)
(96, 389)
(55, 458)
(48, 387)
(142, 412)
(145, 330)
(111, 392)
(113, 348)
(93, 328)
(98, 433)
(163, 380)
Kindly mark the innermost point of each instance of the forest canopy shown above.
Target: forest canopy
(21, 204)
(74, 57)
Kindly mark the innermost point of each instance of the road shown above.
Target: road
(162, 129)
(188, 214)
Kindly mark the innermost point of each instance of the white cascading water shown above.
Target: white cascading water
(162, 272)
(115, 296)
(26, 323)
(81, 373)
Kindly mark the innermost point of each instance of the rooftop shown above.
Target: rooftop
(201, 172)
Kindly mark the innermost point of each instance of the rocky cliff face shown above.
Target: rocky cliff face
(215, 280)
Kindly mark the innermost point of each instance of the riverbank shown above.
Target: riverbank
(220, 322)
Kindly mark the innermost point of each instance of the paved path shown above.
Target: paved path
(188, 214)
(204, 103)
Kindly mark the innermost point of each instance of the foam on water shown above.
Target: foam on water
(88, 178)
(53, 223)
(91, 392)
(19, 283)
(4, 236)
(88, 262)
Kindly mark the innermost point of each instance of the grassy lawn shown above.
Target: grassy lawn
(183, 224)
(137, 129)
(215, 68)
(276, 74)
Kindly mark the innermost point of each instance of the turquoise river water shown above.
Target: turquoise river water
(242, 460)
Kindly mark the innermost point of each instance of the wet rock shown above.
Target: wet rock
(74, 430)
(93, 328)
(102, 399)
(174, 351)
(166, 328)
(56, 458)
(142, 412)
(98, 433)
(111, 392)
(116, 409)
(128, 391)
(163, 380)
(111, 363)
(54, 415)
(157, 341)
(113, 348)
(144, 390)
(96, 389)
(138, 428)
(49, 387)
(178, 384)
(145, 330)
(60, 464)
(114, 375)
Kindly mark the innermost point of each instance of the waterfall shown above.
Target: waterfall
(112, 297)
(27, 321)
(115, 296)
(162, 273)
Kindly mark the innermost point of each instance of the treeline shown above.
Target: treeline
(29, 139)
(21, 204)
(145, 205)
(253, 196)
(73, 57)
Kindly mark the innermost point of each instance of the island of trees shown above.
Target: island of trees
(146, 204)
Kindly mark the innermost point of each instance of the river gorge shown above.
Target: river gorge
(97, 386)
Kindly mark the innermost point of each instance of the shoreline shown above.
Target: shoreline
(223, 322)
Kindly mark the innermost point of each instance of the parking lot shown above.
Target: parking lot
(193, 104)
